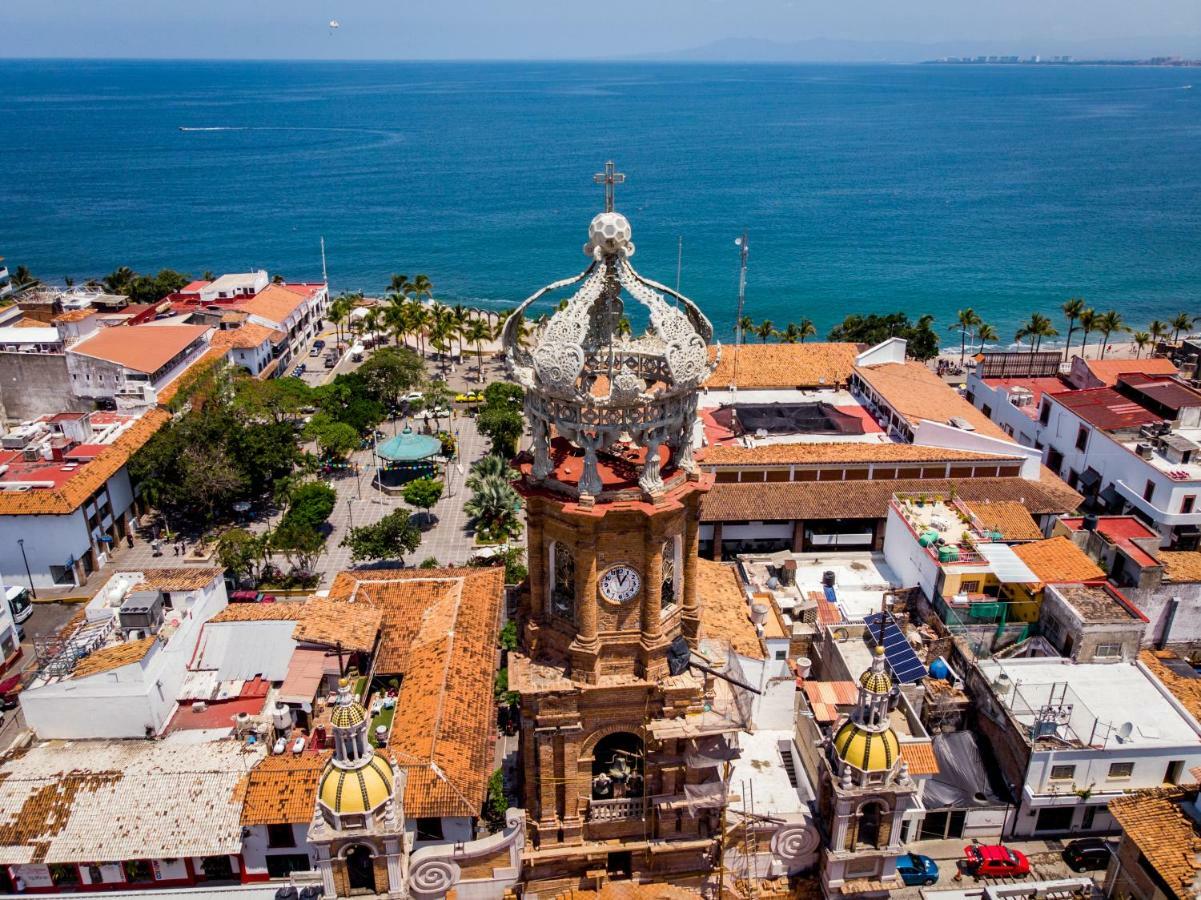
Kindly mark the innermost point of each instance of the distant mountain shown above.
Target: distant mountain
(748, 49)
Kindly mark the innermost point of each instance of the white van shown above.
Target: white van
(19, 603)
(357, 351)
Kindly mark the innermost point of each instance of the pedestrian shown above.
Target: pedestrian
(156, 547)
(129, 539)
(175, 548)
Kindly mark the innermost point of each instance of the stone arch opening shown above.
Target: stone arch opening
(360, 868)
(871, 820)
(617, 766)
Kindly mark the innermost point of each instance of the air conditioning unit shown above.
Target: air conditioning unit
(1144, 450)
(142, 610)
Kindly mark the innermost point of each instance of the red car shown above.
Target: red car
(995, 861)
(251, 597)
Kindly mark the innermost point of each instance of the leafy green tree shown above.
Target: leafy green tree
(504, 393)
(242, 553)
(921, 340)
(390, 538)
(348, 398)
(430, 562)
(507, 639)
(335, 440)
(390, 373)
(497, 803)
(502, 427)
(310, 505)
(512, 558)
(423, 493)
(435, 398)
(299, 543)
(272, 399)
(264, 453)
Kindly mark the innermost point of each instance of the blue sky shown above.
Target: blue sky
(440, 29)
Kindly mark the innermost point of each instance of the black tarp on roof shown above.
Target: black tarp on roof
(795, 418)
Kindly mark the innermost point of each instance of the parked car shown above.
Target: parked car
(318, 344)
(314, 350)
(299, 370)
(916, 869)
(1087, 854)
(996, 861)
(19, 603)
(330, 360)
(10, 687)
(246, 597)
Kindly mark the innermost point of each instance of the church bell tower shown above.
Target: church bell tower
(612, 497)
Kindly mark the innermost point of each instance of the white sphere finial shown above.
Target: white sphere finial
(610, 232)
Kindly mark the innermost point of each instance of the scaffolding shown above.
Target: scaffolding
(56, 656)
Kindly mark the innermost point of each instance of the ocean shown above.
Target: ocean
(862, 187)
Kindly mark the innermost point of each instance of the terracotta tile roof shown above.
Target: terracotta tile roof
(280, 611)
(178, 579)
(88, 478)
(825, 698)
(143, 348)
(785, 501)
(1186, 690)
(440, 631)
(916, 393)
(283, 789)
(1058, 561)
(1170, 840)
(835, 452)
(784, 366)
(332, 622)
(1108, 370)
(724, 610)
(74, 315)
(82, 801)
(920, 757)
(1009, 517)
(113, 657)
(828, 612)
(247, 337)
(1180, 565)
(274, 303)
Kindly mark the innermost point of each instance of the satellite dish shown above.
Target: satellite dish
(1125, 731)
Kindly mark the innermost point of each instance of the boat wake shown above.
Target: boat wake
(213, 128)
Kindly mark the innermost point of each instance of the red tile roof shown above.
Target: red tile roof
(1108, 370)
(916, 393)
(1121, 531)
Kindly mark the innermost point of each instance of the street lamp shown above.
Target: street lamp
(32, 589)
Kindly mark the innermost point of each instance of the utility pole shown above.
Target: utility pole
(744, 249)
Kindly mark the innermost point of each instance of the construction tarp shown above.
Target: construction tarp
(710, 751)
(796, 418)
(963, 780)
(705, 796)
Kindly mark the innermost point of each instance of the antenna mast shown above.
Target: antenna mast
(744, 248)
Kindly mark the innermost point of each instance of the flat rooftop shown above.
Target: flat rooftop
(1106, 409)
(1121, 531)
(1104, 695)
(860, 579)
(1036, 386)
(759, 780)
(1097, 604)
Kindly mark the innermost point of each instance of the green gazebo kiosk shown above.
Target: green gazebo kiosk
(406, 456)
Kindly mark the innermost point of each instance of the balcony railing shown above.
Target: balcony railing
(616, 810)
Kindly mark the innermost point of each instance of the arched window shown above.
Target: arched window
(562, 586)
(871, 815)
(670, 580)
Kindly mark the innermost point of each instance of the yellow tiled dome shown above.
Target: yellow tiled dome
(348, 716)
(359, 790)
(876, 682)
(869, 751)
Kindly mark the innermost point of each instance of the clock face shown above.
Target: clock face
(620, 584)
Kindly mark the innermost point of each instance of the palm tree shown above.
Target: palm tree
(966, 320)
(808, 329)
(22, 277)
(371, 323)
(421, 286)
(1109, 322)
(396, 318)
(624, 327)
(1158, 330)
(764, 330)
(420, 317)
(1141, 340)
(1088, 324)
(399, 284)
(441, 334)
(476, 332)
(461, 316)
(339, 312)
(746, 325)
(522, 329)
(490, 466)
(1182, 322)
(493, 505)
(1072, 308)
(985, 332)
(791, 333)
(1036, 329)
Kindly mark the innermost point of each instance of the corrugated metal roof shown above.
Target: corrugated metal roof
(1006, 565)
(241, 650)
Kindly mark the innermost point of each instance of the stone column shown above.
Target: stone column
(392, 848)
(798, 535)
(652, 607)
(585, 649)
(547, 808)
(538, 559)
(573, 786)
(690, 618)
(325, 867)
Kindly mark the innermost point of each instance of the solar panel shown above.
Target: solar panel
(899, 656)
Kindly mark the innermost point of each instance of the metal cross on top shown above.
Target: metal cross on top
(609, 178)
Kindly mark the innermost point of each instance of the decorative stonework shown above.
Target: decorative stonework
(586, 382)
